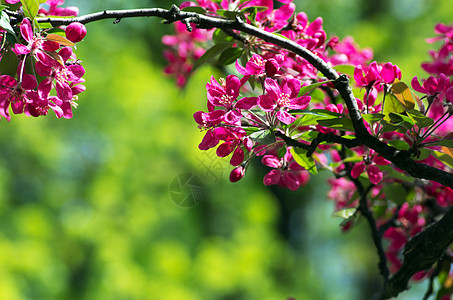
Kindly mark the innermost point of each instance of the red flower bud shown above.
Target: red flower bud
(237, 174)
(75, 32)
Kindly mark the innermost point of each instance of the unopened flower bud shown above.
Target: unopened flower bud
(237, 174)
(75, 32)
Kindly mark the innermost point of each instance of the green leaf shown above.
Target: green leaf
(306, 89)
(281, 152)
(446, 143)
(194, 9)
(345, 213)
(8, 64)
(399, 144)
(251, 9)
(249, 130)
(402, 92)
(300, 156)
(219, 36)
(211, 53)
(327, 113)
(443, 157)
(30, 8)
(317, 96)
(399, 118)
(230, 14)
(264, 137)
(372, 118)
(388, 127)
(420, 119)
(230, 55)
(339, 123)
(395, 192)
(345, 69)
(5, 23)
(392, 104)
(309, 118)
(2, 7)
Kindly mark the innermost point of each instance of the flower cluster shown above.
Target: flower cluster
(269, 109)
(47, 74)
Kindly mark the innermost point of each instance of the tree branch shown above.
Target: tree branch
(425, 248)
(401, 159)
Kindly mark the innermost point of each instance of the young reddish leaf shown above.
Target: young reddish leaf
(403, 94)
(448, 151)
(59, 39)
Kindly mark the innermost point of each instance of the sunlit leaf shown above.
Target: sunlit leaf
(399, 144)
(420, 119)
(392, 104)
(402, 92)
(345, 69)
(5, 23)
(30, 8)
(446, 156)
(300, 156)
(372, 118)
(345, 213)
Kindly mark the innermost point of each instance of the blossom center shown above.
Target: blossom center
(226, 99)
(283, 100)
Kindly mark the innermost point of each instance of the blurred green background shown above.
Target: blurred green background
(85, 209)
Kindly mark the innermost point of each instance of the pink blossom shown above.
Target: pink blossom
(280, 98)
(225, 95)
(287, 172)
(347, 52)
(15, 94)
(375, 74)
(234, 140)
(258, 65)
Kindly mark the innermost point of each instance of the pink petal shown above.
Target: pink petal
(224, 149)
(357, 169)
(290, 181)
(247, 103)
(273, 177)
(29, 82)
(238, 157)
(374, 174)
(266, 103)
(300, 102)
(272, 88)
(271, 161)
(26, 30)
(285, 117)
(20, 49)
